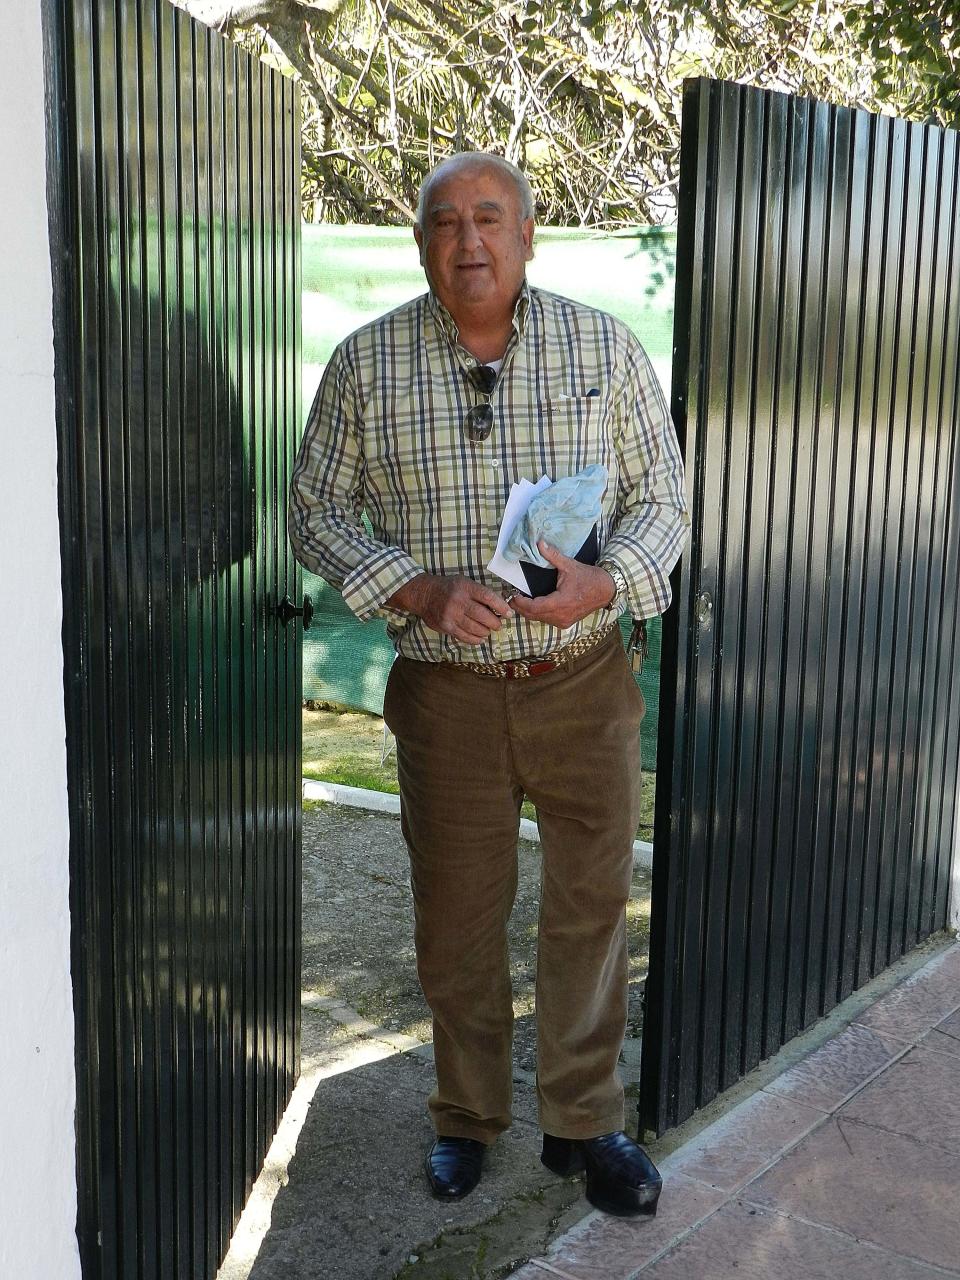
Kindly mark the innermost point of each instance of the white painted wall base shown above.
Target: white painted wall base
(38, 1196)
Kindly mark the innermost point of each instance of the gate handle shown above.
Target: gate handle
(286, 610)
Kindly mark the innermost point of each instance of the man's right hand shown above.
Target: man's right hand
(454, 606)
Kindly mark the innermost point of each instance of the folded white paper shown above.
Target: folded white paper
(521, 495)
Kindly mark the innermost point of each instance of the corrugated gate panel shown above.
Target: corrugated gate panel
(809, 699)
(178, 281)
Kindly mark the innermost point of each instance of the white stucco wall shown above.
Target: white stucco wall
(37, 1167)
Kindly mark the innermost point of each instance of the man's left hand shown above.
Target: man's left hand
(581, 589)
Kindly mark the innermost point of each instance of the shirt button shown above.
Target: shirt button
(495, 462)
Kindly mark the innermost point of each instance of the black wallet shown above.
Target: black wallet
(541, 580)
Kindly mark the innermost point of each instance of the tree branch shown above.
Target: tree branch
(229, 16)
(356, 151)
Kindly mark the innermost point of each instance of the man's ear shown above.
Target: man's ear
(418, 236)
(526, 229)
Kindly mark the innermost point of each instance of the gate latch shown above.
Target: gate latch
(286, 610)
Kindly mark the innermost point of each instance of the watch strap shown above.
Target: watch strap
(619, 582)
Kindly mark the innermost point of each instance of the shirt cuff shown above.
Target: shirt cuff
(648, 590)
(372, 583)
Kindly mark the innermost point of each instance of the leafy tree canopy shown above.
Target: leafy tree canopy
(583, 94)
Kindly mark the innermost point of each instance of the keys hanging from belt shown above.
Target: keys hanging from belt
(637, 645)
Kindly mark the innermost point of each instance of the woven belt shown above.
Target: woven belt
(522, 668)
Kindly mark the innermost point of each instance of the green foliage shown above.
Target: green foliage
(915, 52)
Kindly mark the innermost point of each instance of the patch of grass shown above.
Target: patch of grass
(349, 747)
(310, 805)
(352, 771)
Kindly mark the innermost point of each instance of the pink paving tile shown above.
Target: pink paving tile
(615, 1248)
(947, 962)
(825, 1077)
(744, 1243)
(744, 1140)
(950, 1026)
(918, 1003)
(885, 1188)
(918, 1096)
(941, 1043)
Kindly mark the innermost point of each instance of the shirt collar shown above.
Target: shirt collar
(449, 326)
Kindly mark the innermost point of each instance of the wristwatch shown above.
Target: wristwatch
(619, 582)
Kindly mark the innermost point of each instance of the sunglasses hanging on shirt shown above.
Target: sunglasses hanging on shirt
(478, 422)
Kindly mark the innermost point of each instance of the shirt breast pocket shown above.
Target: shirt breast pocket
(574, 430)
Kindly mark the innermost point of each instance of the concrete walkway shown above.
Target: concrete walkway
(846, 1165)
(343, 1195)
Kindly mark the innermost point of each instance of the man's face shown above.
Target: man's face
(474, 242)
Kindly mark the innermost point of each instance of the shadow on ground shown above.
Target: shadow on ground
(354, 1203)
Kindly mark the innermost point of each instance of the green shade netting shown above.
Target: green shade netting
(353, 274)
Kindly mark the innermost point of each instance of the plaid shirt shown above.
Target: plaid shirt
(385, 438)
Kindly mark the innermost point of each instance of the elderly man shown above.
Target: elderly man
(423, 421)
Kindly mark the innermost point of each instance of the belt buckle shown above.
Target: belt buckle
(520, 668)
(541, 667)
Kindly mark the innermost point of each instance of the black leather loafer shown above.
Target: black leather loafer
(453, 1167)
(621, 1177)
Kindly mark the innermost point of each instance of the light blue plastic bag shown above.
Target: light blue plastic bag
(562, 515)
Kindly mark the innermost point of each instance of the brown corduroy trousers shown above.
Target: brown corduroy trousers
(469, 747)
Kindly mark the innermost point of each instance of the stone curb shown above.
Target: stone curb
(384, 802)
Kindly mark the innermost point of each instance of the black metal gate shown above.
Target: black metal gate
(805, 809)
(175, 161)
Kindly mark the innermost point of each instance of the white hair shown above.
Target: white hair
(463, 159)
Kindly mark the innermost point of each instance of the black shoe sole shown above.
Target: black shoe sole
(623, 1202)
(440, 1194)
(564, 1157)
